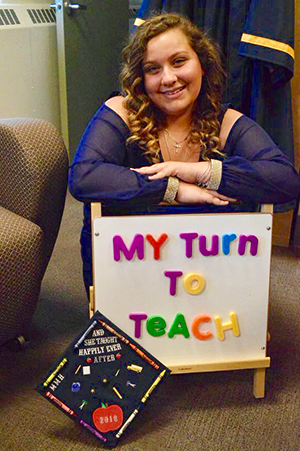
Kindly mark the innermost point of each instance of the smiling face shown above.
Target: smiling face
(172, 73)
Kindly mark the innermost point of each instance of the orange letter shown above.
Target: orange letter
(195, 327)
(157, 244)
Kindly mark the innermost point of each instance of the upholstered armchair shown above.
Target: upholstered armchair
(33, 182)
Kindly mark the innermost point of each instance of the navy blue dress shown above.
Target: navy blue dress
(254, 171)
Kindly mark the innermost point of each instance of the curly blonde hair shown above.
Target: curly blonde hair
(145, 119)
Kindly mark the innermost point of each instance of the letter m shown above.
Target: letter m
(136, 246)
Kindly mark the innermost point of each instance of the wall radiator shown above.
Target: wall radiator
(29, 67)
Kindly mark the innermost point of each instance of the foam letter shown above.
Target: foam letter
(243, 241)
(137, 318)
(173, 280)
(233, 324)
(189, 283)
(214, 245)
(226, 240)
(156, 326)
(195, 327)
(137, 245)
(179, 327)
(189, 237)
(157, 244)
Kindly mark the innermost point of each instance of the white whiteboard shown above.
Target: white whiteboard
(233, 283)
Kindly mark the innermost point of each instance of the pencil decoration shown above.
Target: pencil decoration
(78, 368)
(104, 439)
(85, 334)
(155, 383)
(117, 393)
(127, 422)
(61, 404)
(52, 375)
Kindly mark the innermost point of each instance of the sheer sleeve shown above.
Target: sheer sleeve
(254, 168)
(100, 168)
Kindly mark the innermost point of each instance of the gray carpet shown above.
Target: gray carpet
(208, 411)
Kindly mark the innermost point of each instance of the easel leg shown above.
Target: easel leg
(92, 302)
(259, 381)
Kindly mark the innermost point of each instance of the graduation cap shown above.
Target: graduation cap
(103, 380)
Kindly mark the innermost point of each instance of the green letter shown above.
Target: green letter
(156, 326)
(179, 327)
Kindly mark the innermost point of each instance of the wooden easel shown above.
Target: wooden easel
(259, 366)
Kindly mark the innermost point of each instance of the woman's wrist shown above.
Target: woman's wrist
(211, 177)
(203, 176)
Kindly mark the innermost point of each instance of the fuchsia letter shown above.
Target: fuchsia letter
(243, 241)
(214, 245)
(137, 318)
(189, 237)
(173, 279)
(137, 245)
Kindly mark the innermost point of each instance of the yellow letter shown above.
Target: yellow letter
(233, 324)
(189, 283)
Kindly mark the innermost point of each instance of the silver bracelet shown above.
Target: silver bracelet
(171, 191)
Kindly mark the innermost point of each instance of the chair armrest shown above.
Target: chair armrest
(32, 159)
(34, 172)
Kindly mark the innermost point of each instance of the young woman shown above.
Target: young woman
(169, 138)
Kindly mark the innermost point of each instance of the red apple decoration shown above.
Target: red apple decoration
(108, 418)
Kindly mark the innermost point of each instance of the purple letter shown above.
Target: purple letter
(137, 245)
(243, 241)
(173, 279)
(189, 237)
(214, 245)
(138, 318)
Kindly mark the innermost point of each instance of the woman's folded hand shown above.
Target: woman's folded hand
(189, 193)
(188, 172)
